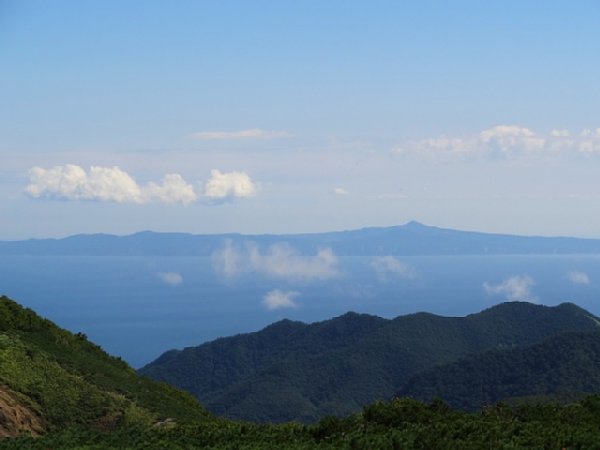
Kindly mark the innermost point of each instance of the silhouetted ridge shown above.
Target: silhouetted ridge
(412, 238)
(283, 326)
(296, 371)
(562, 367)
(61, 391)
(415, 225)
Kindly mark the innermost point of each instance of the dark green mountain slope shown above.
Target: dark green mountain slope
(400, 424)
(51, 379)
(69, 394)
(566, 366)
(294, 371)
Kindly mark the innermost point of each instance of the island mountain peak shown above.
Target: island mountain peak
(413, 224)
(412, 238)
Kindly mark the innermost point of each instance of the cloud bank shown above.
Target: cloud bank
(111, 184)
(388, 268)
(277, 299)
(340, 191)
(503, 142)
(74, 183)
(278, 261)
(170, 278)
(174, 189)
(579, 278)
(229, 185)
(516, 288)
(253, 133)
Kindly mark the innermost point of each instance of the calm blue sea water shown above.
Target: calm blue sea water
(122, 304)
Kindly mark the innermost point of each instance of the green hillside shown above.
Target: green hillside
(59, 391)
(51, 379)
(563, 367)
(294, 371)
(400, 424)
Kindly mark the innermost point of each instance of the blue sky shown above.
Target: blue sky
(264, 116)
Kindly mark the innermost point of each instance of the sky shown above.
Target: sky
(306, 116)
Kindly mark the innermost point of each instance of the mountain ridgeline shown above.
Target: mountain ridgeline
(296, 371)
(562, 368)
(51, 379)
(58, 390)
(412, 238)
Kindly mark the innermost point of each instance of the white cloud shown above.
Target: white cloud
(511, 139)
(389, 267)
(504, 142)
(253, 133)
(74, 183)
(229, 261)
(586, 132)
(170, 278)
(277, 299)
(111, 184)
(580, 278)
(106, 184)
(516, 288)
(227, 185)
(278, 261)
(174, 189)
(341, 191)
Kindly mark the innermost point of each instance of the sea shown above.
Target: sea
(140, 307)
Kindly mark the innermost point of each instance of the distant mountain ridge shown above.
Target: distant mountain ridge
(60, 391)
(412, 238)
(563, 367)
(294, 371)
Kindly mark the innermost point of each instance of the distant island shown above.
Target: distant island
(410, 239)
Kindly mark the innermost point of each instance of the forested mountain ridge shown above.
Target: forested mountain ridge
(562, 367)
(59, 391)
(294, 371)
(51, 379)
(412, 238)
